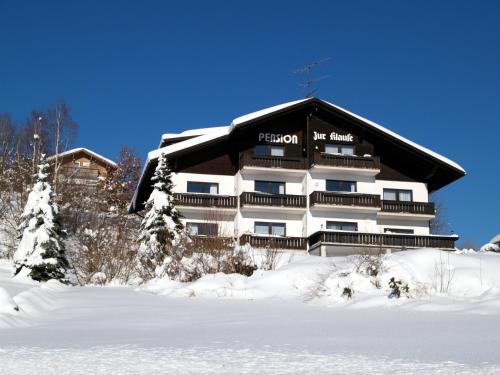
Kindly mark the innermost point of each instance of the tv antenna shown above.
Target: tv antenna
(306, 70)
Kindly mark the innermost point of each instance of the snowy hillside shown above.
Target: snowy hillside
(295, 319)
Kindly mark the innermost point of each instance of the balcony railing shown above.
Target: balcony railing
(383, 239)
(344, 199)
(285, 243)
(250, 160)
(423, 208)
(346, 161)
(212, 243)
(274, 200)
(205, 200)
(83, 173)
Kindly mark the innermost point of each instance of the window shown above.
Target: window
(398, 230)
(202, 229)
(277, 151)
(270, 187)
(269, 150)
(275, 229)
(338, 185)
(339, 225)
(398, 195)
(339, 149)
(202, 187)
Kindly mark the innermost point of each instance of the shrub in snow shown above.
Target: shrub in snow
(347, 292)
(398, 287)
(98, 278)
(368, 264)
(41, 252)
(160, 231)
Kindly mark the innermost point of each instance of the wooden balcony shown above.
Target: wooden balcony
(266, 161)
(81, 173)
(272, 200)
(402, 241)
(419, 208)
(347, 161)
(285, 243)
(329, 198)
(205, 200)
(211, 243)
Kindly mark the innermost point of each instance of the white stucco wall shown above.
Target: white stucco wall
(307, 222)
(226, 183)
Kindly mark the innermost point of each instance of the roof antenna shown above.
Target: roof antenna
(308, 85)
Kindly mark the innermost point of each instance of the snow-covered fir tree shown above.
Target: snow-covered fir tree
(41, 251)
(161, 227)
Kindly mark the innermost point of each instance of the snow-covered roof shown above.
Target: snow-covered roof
(83, 149)
(401, 138)
(188, 143)
(263, 112)
(495, 239)
(208, 134)
(193, 132)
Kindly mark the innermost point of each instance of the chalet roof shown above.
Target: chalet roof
(87, 151)
(209, 134)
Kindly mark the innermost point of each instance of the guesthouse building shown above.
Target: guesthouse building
(306, 175)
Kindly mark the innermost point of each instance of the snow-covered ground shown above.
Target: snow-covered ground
(293, 320)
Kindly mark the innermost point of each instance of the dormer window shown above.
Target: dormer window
(339, 149)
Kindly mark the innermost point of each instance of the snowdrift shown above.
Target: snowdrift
(436, 280)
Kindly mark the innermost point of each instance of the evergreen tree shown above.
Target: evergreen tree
(41, 250)
(161, 227)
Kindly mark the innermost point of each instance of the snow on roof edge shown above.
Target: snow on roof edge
(189, 143)
(78, 149)
(400, 137)
(251, 116)
(193, 132)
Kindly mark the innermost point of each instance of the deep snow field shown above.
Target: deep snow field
(288, 321)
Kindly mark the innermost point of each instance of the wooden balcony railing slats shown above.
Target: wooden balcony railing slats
(409, 207)
(212, 242)
(275, 200)
(344, 199)
(286, 243)
(205, 200)
(346, 161)
(267, 161)
(382, 239)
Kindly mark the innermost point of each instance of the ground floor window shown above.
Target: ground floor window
(202, 187)
(202, 229)
(274, 229)
(399, 231)
(398, 195)
(342, 225)
(270, 187)
(342, 186)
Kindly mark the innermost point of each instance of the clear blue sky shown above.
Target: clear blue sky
(134, 70)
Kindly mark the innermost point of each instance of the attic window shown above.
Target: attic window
(339, 149)
(263, 150)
